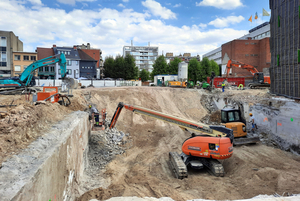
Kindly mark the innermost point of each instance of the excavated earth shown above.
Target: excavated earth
(141, 169)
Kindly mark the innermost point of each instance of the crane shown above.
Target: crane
(26, 78)
(205, 147)
(259, 80)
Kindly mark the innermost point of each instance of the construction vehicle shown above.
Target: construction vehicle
(234, 119)
(26, 78)
(259, 80)
(206, 148)
(182, 77)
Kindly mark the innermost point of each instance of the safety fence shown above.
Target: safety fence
(95, 83)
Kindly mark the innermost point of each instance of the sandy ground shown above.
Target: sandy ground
(142, 170)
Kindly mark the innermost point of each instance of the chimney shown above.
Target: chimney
(88, 46)
(54, 45)
(74, 47)
(249, 38)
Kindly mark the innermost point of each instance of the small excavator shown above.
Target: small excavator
(206, 146)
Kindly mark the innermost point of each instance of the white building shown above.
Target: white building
(144, 55)
(215, 55)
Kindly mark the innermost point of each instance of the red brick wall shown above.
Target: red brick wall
(44, 52)
(94, 53)
(253, 52)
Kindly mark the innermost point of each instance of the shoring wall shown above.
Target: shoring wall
(284, 45)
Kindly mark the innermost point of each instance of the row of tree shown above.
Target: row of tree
(120, 67)
(125, 68)
(197, 71)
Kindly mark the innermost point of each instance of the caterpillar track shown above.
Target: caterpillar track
(177, 166)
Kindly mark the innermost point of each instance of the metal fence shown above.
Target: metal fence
(95, 83)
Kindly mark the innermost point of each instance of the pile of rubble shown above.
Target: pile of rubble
(105, 145)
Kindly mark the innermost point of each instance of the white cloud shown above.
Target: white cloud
(177, 5)
(222, 4)
(73, 2)
(157, 10)
(226, 21)
(107, 29)
(201, 25)
(125, 1)
(121, 5)
(35, 2)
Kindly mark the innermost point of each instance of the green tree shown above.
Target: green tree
(109, 66)
(214, 67)
(119, 67)
(172, 68)
(159, 66)
(205, 69)
(130, 70)
(194, 70)
(144, 75)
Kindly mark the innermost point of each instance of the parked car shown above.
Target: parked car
(108, 78)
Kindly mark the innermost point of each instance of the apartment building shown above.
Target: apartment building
(9, 43)
(144, 56)
(21, 60)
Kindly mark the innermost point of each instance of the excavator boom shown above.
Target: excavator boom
(204, 149)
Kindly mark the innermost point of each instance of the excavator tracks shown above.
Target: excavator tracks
(214, 167)
(177, 166)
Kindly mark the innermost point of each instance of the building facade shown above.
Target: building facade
(215, 55)
(21, 61)
(87, 66)
(285, 48)
(253, 52)
(9, 43)
(144, 56)
(73, 59)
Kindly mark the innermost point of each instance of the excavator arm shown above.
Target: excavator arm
(27, 74)
(238, 64)
(214, 131)
(26, 77)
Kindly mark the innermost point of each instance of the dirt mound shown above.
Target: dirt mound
(25, 122)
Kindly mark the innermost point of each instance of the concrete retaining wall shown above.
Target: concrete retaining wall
(51, 167)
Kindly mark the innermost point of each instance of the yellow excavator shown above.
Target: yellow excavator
(234, 119)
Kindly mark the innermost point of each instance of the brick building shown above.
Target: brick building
(253, 52)
(21, 61)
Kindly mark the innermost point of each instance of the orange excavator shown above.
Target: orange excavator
(259, 80)
(206, 146)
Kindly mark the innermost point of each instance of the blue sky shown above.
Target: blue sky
(176, 26)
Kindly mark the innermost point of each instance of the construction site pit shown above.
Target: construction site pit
(50, 152)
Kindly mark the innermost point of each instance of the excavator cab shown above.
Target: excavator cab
(258, 78)
(233, 120)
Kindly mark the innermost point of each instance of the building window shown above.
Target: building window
(40, 69)
(254, 55)
(24, 67)
(32, 58)
(3, 57)
(3, 41)
(68, 53)
(52, 69)
(246, 43)
(69, 62)
(76, 63)
(278, 20)
(46, 68)
(17, 68)
(26, 58)
(58, 51)
(247, 55)
(69, 71)
(17, 57)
